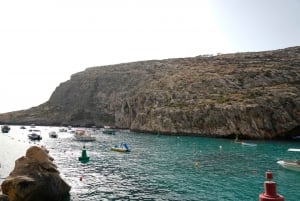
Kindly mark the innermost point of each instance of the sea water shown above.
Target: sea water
(160, 167)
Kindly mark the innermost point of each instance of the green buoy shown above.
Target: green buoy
(84, 158)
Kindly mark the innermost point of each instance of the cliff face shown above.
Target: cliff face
(254, 95)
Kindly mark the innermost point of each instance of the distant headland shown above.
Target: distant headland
(253, 95)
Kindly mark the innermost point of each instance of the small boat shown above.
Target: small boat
(296, 137)
(81, 135)
(62, 130)
(290, 164)
(5, 129)
(22, 127)
(122, 148)
(34, 136)
(248, 144)
(53, 134)
(295, 150)
(244, 143)
(108, 130)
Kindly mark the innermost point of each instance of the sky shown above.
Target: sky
(42, 43)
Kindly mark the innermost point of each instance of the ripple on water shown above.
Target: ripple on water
(168, 168)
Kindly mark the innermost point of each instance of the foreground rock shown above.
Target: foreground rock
(35, 178)
(253, 95)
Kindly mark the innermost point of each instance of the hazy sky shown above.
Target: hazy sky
(43, 42)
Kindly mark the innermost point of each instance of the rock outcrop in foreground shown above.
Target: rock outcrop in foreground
(254, 95)
(35, 178)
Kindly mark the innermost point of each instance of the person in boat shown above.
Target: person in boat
(124, 145)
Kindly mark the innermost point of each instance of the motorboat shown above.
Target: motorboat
(5, 129)
(248, 144)
(244, 143)
(81, 135)
(108, 130)
(290, 164)
(34, 136)
(62, 130)
(53, 134)
(123, 147)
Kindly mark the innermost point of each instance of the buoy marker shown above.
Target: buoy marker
(270, 193)
(84, 158)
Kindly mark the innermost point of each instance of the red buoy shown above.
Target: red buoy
(270, 193)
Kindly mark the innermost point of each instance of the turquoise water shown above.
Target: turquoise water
(168, 167)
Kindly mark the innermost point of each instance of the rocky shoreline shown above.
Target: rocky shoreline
(254, 95)
(34, 177)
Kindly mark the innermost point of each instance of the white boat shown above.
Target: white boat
(248, 144)
(290, 164)
(108, 130)
(81, 135)
(292, 149)
(52, 134)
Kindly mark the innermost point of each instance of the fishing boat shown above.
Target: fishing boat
(244, 143)
(121, 148)
(53, 134)
(5, 129)
(248, 144)
(34, 136)
(290, 164)
(108, 130)
(81, 135)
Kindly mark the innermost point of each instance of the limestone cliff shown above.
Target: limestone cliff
(254, 95)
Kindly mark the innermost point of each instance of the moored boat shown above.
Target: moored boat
(108, 130)
(81, 135)
(248, 144)
(290, 164)
(53, 134)
(5, 129)
(122, 148)
(34, 136)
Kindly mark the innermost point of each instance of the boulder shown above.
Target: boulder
(35, 178)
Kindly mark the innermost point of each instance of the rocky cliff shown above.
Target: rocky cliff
(254, 95)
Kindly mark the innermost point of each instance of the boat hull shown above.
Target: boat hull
(118, 149)
(248, 144)
(290, 165)
(34, 137)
